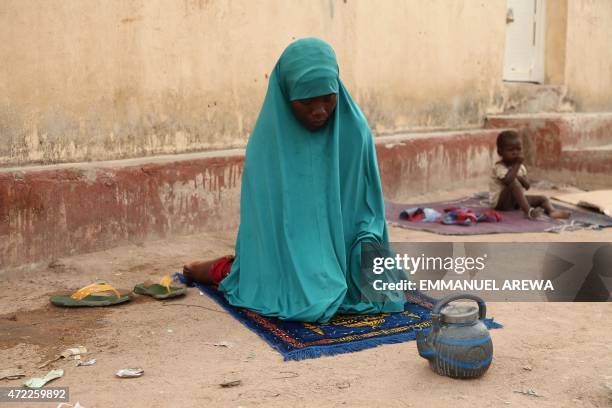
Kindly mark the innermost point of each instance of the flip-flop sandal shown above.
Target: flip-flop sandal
(161, 290)
(535, 213)
(92, 295)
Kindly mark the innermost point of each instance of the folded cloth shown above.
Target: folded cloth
(425, 214)
(489, 216)
(453, 215)
(459, 216)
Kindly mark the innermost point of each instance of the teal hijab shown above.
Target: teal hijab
(309, 199)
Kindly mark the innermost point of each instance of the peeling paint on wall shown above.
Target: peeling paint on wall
(87, 81)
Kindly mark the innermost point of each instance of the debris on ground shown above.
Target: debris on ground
(229, 384)
(129, 372)
(225, 344)
(527, 368)
(286, 374)
(40, 382)
(11, 374)
(250, 357)
(66, 405)
(190, 305)
(56, 264)
(343, 385)
(75, 351)
(86, 363)
(530, 392)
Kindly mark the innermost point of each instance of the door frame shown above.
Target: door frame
(537, 73)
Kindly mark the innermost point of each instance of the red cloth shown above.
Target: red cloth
(221, 268)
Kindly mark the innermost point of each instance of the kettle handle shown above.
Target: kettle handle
(435, 312)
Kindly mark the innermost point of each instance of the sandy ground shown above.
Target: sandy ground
(560, 350)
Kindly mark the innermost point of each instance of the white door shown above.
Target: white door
(524, 54)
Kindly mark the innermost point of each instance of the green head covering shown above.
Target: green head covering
(307, 68)
(308, 200)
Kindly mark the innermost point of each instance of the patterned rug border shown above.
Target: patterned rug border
(270, 332)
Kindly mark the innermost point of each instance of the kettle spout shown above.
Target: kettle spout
(423, 346)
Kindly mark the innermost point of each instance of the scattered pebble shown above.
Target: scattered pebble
(225, 344)
(530, 392)
(56, 263)
(229, 384)
(343, 385)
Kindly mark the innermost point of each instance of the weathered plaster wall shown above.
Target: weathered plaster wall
(555, 42)
(88, 80)
(588, 70)
(53, 211)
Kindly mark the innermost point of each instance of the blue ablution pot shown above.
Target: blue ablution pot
(458, 344)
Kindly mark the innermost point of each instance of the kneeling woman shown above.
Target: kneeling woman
(311, 196)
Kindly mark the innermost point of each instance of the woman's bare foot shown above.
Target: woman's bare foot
(559, 214)
(199, 271)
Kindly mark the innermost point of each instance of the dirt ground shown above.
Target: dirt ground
(560, 350)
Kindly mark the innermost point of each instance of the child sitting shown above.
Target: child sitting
(509, 181)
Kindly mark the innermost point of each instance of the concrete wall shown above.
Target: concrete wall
(574, 149)
(53, 211)
(555, 42)
(85, 80)
(588, 72)
(88, 80)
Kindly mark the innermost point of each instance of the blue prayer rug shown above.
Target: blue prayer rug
(342, 334)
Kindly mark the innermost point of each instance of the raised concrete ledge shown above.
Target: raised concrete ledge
(412, 164)
(571, 129)
(170, 158)
(57, 210)
(52, 211)
(567, 147)
(430, 135)
(553, 115)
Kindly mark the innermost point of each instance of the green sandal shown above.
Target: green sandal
(161, 290)
(91, 295)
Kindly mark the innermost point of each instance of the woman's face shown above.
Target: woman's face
(313, 113)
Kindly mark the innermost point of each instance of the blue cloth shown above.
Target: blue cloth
(309, 199)
(422, 214)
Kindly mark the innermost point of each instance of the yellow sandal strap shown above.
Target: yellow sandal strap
(165, 282)
(94, 288)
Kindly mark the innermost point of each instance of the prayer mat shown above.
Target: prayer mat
(342, 334)
(511, 222)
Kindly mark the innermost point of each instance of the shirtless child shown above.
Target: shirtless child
(509, 182)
